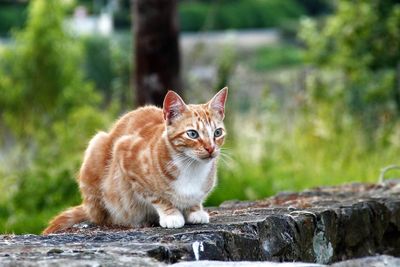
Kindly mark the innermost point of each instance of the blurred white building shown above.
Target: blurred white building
(82, 23)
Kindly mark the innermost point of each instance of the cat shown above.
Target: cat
(153, 166)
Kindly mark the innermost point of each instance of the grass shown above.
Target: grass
(275, 56)
(273, 158)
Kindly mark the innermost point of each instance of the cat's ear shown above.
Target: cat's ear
(217, 103)
(173, 106)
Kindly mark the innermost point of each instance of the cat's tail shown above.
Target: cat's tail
(66, 219)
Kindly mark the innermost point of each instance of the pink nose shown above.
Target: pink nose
(210, 149)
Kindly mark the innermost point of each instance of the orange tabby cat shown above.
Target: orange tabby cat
(154, 164)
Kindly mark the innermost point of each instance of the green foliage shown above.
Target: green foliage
(107, 62)
(11, 16)
(341, 125)
(272, 57)
(362, 34)
(300, 143)
(193, 16)
(316, 7)
(227, 14)
(362, 40)
(98, 62)
(49, 113)
(302, 161)
(240, 14)
(225, 67)
(37, 71)
(121, 51)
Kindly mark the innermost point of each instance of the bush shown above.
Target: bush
(316, 7)
(193, 16)
(49, 113)
(240, 14)
(273, 57)
(200, 15)
(107, 63)
(293, 139)
(11, 16)
(336, 123)
(98, 59)
(354, 41)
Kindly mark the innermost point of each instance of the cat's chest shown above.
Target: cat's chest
(189, 186)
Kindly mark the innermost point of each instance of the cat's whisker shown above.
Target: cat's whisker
(226, 155)
(177, 160)
(188, 164)
(180, 161)
(224, 162)
(225, 151)
(226, 159)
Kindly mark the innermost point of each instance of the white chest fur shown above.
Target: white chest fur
(189, 186)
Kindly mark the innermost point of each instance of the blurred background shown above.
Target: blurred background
(314, 90)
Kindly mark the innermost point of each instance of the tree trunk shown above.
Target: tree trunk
(157, 60)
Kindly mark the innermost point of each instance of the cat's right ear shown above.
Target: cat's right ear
(173, 106)
(217, 103)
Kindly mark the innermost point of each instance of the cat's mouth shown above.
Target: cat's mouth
(208, 156)
(202, 157)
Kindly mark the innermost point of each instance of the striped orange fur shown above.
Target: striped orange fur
(154, 165)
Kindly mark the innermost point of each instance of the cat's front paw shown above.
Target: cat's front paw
(172, 221)
(199, 216)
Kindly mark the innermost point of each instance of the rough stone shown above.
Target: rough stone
(323, 225)
(377, 261)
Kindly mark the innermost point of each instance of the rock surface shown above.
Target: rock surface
(323, 225)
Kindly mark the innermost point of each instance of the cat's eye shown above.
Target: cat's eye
(218, 132)
(192, 134)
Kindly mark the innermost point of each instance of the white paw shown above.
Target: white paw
(172, 221)
(199, 216)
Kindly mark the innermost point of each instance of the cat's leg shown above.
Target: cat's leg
(126, 161)
(196, 214)
(170, 216)
(90, 176)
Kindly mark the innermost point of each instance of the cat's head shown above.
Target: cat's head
(196, 131)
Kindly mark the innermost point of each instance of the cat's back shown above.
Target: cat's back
(145, 121)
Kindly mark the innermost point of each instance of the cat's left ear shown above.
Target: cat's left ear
(217, 103)
(173, 106)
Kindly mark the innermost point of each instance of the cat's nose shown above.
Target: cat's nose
(209, 149)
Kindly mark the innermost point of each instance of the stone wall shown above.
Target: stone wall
(323, 225)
